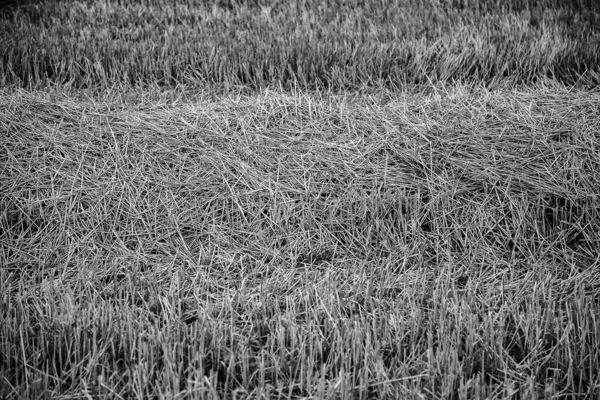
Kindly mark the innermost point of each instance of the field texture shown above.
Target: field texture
(243, 200)
(311, 44)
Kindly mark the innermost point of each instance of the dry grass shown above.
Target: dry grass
(440, 245)
(315, 44)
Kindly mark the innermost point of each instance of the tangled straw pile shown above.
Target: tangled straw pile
(412, 239)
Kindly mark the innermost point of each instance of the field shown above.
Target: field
(304, 199)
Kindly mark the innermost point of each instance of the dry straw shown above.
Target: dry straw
(300, 244)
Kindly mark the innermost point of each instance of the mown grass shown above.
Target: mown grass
(300, 200)
(341, 45)
(296, 245)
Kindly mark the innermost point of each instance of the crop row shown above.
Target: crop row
(313, 44)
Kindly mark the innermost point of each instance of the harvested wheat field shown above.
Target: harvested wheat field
(302, 200)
